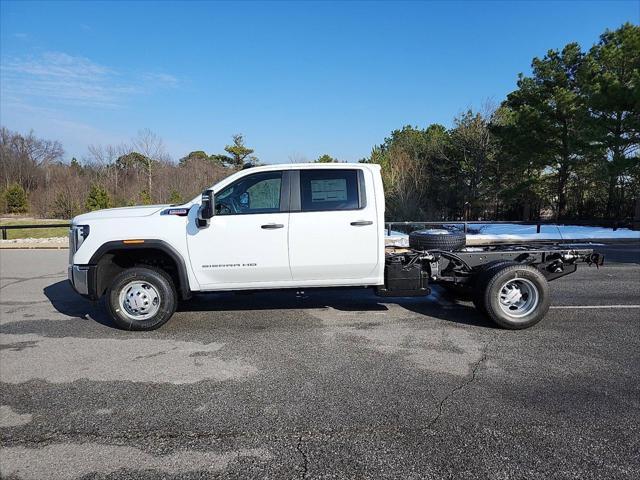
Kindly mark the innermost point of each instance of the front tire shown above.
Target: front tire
(516, 296)
(141, 298)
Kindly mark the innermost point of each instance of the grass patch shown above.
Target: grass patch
(34, 232)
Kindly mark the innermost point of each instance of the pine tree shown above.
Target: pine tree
(239, 153)
(98, 198)
(15, 198)
(145, 197)
(175, 198)
(326, 159)
(75, 166)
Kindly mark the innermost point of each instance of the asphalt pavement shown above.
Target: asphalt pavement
(325, 384)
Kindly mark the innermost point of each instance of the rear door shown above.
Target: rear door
(333, 232)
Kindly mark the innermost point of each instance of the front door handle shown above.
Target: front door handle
(361, 223)
(272, 226)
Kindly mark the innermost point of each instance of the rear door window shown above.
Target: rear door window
(330, 189)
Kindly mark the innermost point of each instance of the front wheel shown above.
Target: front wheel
(516, 296)
(141, 298)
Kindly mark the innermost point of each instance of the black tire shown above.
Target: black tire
(437, 240)
(482, 277)
(532, 289)
(159, 281)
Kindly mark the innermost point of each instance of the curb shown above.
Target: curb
(43, 243)
(26, 246)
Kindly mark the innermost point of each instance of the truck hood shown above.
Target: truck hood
(124, 212)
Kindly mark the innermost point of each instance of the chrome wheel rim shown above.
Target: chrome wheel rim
(518, 297)
(139, 300)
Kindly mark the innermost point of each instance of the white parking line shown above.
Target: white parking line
(352, 313)
(453, 307)
(585, 307)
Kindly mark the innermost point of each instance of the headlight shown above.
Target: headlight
(79, 235)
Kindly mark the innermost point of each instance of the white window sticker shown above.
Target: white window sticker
(329, 190)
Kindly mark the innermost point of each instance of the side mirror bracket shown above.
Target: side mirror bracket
(206, 210)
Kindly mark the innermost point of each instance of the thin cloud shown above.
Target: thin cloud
(161, 79)
(63, 79)
(74, 133)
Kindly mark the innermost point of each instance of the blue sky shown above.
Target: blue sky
(298, 79)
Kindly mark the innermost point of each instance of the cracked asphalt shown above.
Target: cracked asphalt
(329, 384)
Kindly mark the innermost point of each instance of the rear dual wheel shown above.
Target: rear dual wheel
(482, 278)
(514, 296)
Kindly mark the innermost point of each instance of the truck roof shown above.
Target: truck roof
(299, 166)
(371, 167)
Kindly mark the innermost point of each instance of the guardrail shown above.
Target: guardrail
(4, 228)
(538, 224)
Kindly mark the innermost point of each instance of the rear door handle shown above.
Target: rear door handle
(361, 223)
(272, 226)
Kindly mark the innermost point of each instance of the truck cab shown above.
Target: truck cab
(276, 227)
(287, 226)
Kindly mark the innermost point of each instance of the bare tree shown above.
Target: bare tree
(24, 158)
(404, 176)
(297, 157)
(152, 147)
(105, 157)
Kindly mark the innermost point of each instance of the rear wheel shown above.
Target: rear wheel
(516, 296)
(481, 280)
(141, 298)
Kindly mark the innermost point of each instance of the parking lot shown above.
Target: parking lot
(325, 384)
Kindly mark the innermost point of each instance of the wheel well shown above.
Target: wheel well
(114, 261)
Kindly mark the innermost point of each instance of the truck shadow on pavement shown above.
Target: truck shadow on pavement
(440, 306)
(69, 303)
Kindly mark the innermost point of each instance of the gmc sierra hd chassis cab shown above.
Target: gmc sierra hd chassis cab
(296, 227)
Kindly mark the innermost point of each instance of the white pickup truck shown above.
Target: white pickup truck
(295, 226)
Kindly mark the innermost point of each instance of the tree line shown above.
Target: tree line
(36, 180)
(564, 144)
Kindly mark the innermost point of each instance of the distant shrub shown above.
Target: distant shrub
(145, 198)
(15, 199)
(175, 198)
(98, 198)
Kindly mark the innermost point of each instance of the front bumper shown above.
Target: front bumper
(82, 279)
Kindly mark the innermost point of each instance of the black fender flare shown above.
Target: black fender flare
(119, 245)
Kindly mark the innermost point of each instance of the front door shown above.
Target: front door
(246, 242)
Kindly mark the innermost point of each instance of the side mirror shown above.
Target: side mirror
(207, 208)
